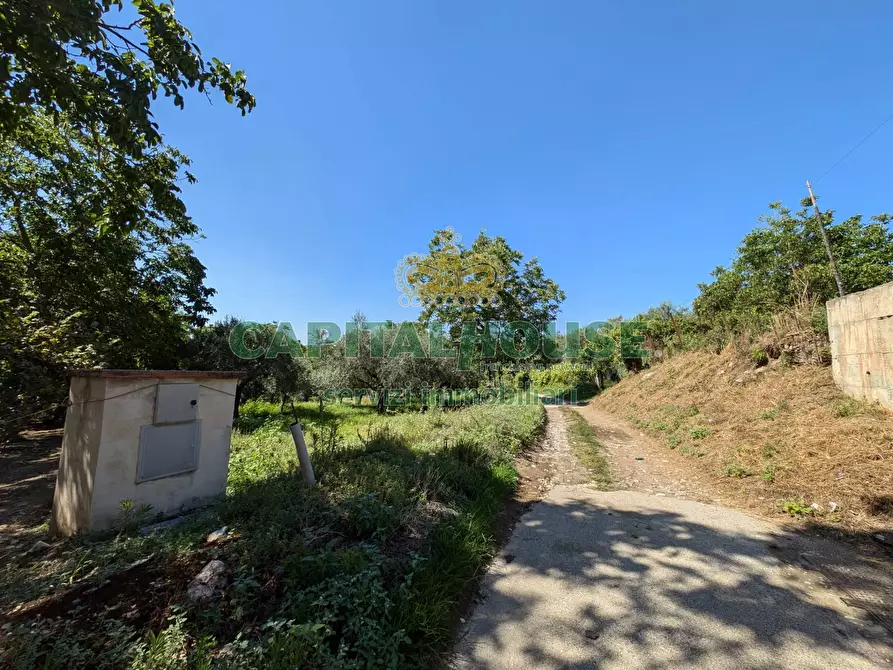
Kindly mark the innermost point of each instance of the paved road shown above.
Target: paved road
(633, 580)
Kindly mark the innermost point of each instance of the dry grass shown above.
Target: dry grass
(772, 436)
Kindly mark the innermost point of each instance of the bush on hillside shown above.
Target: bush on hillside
(773, 293)
(568, 376)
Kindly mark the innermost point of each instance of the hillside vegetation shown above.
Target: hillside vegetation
(779, 438)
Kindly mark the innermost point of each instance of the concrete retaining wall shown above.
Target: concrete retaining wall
(860, 326)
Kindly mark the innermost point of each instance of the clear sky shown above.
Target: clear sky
(629, 145)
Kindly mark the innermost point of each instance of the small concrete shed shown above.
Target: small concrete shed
(155, 437)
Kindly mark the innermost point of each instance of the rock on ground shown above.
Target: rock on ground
(208, 584)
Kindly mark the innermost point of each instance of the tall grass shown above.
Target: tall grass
(364, 570)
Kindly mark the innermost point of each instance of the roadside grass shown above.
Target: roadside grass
(364, 570)
(588, 450)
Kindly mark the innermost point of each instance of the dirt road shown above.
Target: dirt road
(649, 577)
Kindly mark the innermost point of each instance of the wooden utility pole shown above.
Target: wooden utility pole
(818, 214)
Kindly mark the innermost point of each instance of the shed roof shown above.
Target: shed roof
(161, 374)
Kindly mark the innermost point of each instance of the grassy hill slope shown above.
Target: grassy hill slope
(779, 439)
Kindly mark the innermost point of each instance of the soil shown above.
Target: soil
(141, 592)
(550, 463)
(28, 468)
(857, 566)
(637, 464)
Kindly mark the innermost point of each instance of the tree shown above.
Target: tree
(95, 266)
(522, 290)
(670, 329)
(775, 259)
(521, 293)
(366, 367)
(373, 363)
(275, 377)
(327, 377)
(73, 294)
(102, 67)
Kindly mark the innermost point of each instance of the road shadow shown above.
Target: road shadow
(583, 585)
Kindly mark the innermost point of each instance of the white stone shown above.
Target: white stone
(218, 535)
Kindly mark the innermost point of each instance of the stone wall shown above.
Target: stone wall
(860, 326)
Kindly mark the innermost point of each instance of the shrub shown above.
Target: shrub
(846, 408)
(819, 320)
(759, 356)
(698, 433)
(735, 470)
(797, 508)
(565, 377)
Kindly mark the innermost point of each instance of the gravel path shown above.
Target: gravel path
(650, 578)
(639, 465)
(552, 463)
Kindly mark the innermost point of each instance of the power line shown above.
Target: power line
(847, 154)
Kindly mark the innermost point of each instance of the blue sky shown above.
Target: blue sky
(629, 145)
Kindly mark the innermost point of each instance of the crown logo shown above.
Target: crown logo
(451, 276)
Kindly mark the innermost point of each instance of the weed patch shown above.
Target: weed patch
(735, 470)
(846, 408)
(768, 473)
(796, 508)
(588, 450)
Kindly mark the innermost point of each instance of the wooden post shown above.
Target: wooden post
(840, 291)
